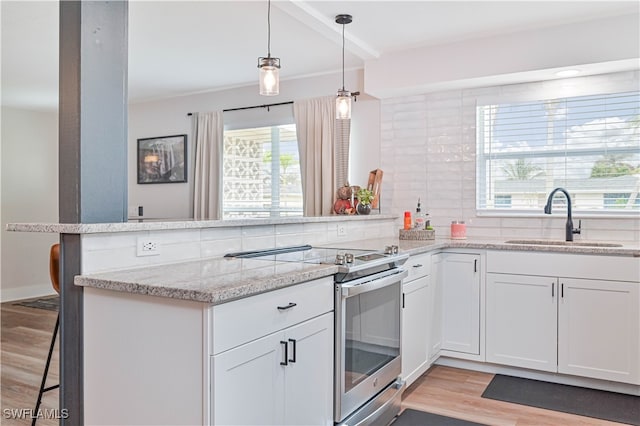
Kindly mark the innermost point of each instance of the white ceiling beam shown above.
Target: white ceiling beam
(327, 27)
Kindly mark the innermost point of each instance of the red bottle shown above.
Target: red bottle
(407, 220)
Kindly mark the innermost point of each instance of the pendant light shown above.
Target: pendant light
(269, 67)
(343, 100)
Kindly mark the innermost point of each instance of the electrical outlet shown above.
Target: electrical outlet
(342, 230)
(148, 247)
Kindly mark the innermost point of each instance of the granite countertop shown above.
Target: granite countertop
(215, 280)
(163, 225)
(553, 246)
(220, 280)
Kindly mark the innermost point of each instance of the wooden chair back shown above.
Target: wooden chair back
(54, 267)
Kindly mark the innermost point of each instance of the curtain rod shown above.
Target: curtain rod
(267, 106)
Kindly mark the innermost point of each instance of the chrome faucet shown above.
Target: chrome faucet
(569, 225)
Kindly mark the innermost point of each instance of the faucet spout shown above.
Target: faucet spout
(569, 230)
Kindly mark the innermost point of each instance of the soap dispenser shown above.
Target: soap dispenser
(419, 220)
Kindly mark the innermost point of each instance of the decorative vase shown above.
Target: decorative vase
(363, 208)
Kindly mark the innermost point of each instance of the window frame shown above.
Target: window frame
(257, 212)
(484, 158)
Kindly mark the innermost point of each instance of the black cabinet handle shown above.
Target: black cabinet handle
(293, 352)
(418, 265)
(562, 290)
(289, 306)
(553, 289)
(402, 300)
(286, 352)
(475, 265)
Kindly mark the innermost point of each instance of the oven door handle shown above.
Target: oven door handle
(354, 288)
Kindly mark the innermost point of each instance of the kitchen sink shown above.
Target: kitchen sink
(563, 243)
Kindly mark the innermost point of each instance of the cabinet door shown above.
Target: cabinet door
(309, 373)
(249, 383)
(599, 329)
(435, 309)
(460, 274)
(522, 321)
(415, 328)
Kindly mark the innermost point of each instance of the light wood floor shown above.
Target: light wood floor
(457, 393)
(26, 334)
(25, 338)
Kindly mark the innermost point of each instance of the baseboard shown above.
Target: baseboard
(411, 377)
(19, 293)
(540, 375)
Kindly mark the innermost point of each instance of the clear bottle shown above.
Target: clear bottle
(419, 219)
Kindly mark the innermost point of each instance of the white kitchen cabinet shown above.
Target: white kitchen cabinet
(416, 318)
(309, 380)
(585, 325)
(599, 329)
(522, 321)
(254, 385)
(435, 309)
(284, 377)
(249, 383)
(459, 275)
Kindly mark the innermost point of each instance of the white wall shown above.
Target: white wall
(515, 58)
(169, 117)
(29, 194)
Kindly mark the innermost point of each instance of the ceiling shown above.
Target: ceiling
(181, 47)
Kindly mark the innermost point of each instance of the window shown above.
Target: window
(621, 200)
(589, 145)
(261, 173)
(503, 201)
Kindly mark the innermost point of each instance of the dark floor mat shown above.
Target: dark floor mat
(50, 303)
(615, 407)
(420, 418)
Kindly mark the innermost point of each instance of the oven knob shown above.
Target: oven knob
(348, 257)
(394, 249)
(339, 259)
(388, 250)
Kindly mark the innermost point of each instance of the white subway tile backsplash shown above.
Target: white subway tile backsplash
(288, 240)
(218, 248)
(176, 236)
(290, 228)
(259, 242)
(220, 233)
(110, 241)
(257, 231)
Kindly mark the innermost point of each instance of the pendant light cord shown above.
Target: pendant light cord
(269, 30)
(342, 56)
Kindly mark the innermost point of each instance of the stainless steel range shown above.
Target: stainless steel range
(368, 295)
(367, 337)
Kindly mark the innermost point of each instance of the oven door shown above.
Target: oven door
(367, 357)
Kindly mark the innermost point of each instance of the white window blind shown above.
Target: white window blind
(589, 145)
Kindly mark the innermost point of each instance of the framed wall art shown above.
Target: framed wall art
(162, 159)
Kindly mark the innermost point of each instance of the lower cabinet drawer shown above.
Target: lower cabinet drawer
(244, 320)
(418, 266)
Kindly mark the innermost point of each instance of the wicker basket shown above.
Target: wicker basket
(417, 234)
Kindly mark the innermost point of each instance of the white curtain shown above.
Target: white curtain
(208, 131)
(315, 129)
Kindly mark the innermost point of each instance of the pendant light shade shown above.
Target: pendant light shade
(269, 67)
(343, 100)
(343, 105)
(269, 76)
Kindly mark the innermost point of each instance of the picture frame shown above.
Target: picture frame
(162, 159)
